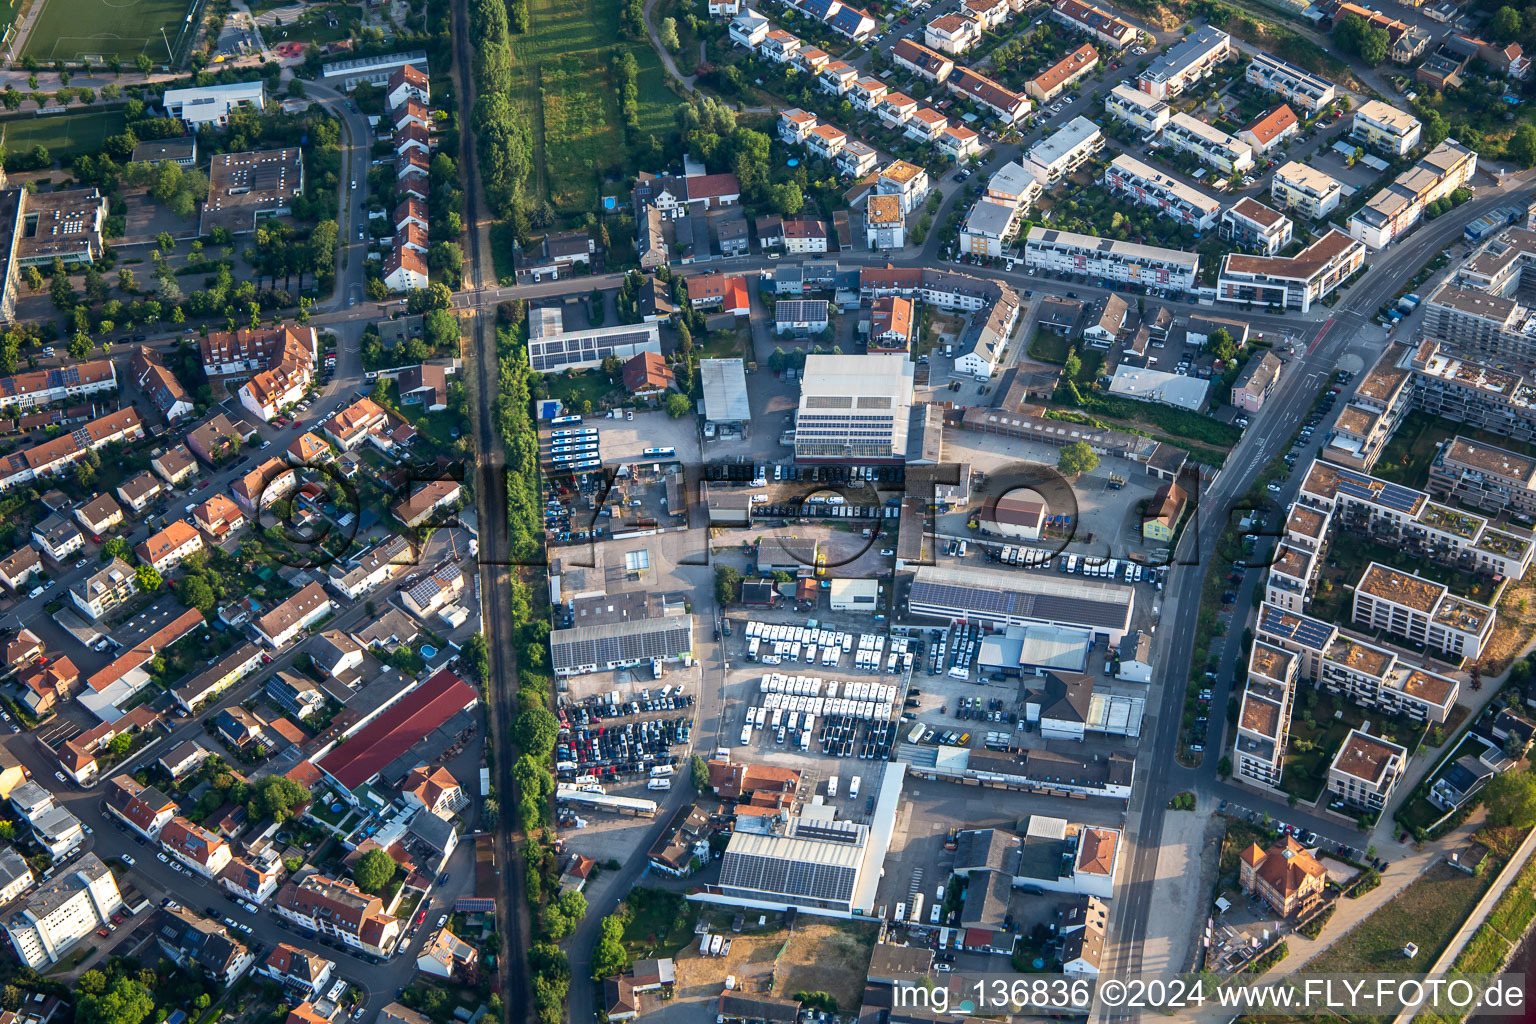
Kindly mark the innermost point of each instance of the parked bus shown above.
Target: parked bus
(659, 453)
(562, 421)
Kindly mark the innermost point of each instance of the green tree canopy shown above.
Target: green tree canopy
(678, 405)
(125, 1002)
(1510, 798)
(374, 870)
(275, 797)
(1076, 458)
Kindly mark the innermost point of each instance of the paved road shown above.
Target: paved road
(1269, 435)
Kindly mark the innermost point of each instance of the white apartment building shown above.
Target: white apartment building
(1290, 282)
(749, 29)
(1064, 151)
(1397, 209)
(1147, 186)
(1067, 252)
(1308, 192)
(952, 34)
(80, 899)
(1299, 87)
(1385, 128)
(1256, 227)
(1137, 109)
(988, 227)
(1187, 62)
(1422, 611)
(908, 181)
(1211, 145)
(1264, 718)
(1366, 770)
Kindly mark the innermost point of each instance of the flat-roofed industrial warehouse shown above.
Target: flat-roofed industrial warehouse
(615, 644)
(996, 598)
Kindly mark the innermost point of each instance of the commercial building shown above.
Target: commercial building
(349, 74)
(1301, 88)
(1396, 209)
(1211, 145)
(1309, 192)
(212, 104)
(812, 861)
(997, 599)
(1188, 61)
(610, 645)
(1106, 28)
(1365, 771)
(1385, 128)
(81, 898)
(1290, 282)
(244, 188)
(1064, 151)
(553, 349)
(854, 408)
(1148, 385)
(1066, 252)
(1137, 109)
(1147, 186)
(1059, 77)
(381, 748)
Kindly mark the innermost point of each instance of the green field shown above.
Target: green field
(561, 79)
(65, 135)
(118, 28)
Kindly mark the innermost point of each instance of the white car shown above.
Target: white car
(59, 776)
(85, 828)
(127, 859)
(442, 921)
(162, 858)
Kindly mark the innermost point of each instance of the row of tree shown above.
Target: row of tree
(501, 133)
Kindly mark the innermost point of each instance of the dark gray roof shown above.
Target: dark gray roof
(986, 900)
(983, 849)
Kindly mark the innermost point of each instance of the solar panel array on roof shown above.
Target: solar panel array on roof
(832, 831)
(557, 353)
(1389, 495)
(961, 597)
(1301, 629)
(621, 642)
(790, 877)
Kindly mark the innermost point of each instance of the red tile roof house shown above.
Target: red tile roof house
(143, 808)
(647, 375)
(195, 846)
(339, 910)
(359, 759)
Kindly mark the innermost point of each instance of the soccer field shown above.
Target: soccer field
(64, 135)
(121, 28)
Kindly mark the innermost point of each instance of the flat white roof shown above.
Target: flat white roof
(1156, 386)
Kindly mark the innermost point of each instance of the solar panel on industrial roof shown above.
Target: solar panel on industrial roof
(963, 597)
(833, 832)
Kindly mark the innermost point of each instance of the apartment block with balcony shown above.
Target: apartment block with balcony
(1297, 86)
(1309, 192)
(1105, 27)
(1398, 208)
(1256, 227)
(1289, 282)
(1067, 252)
(1477, 474)
(1471, 392)
(1137, 109)
(1263, 721)
(1380, 401)
(1366, 770)
(1211, 145)
(1147, 186)
(1188, 61)
(1386, 129)
(1057, 155)
(1291, 577)
(1422, 611)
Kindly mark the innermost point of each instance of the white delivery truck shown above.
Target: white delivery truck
(853, 789)
(832, 786)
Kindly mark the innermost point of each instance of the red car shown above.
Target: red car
(421, 916)
(266, 659)
(102, 932)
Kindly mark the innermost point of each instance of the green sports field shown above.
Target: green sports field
(101, 29)
(65, 135)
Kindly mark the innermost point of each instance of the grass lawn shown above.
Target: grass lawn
(722, 345)
(1427, 913)
(1312, 747)
(70, 29)
(660, 925)
(503, 248)
(1344, 564)
(575, 388)
(65, 135)
(561, 79)
(1049, 348)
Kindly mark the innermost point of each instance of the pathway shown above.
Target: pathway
(688, 82)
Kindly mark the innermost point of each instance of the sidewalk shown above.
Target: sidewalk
(1401, 873)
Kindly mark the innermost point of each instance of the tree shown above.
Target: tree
(535, 730)
(143, 63)
(195, 592)
(608, 956)
(441, 329)
(1505, 27)
(127, 1002)
(698, 772)
(787, 198)
(668, 35)
(1510, 798)
(475, 656)
(80, 345)
(1076, 458)
(275, 797)
(678, 405)
(147, 577)
(374, 870)
(1522, 145)
(117, 547)
(727, 584)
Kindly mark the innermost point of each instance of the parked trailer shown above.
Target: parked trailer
(566, 793)
(715, 943)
